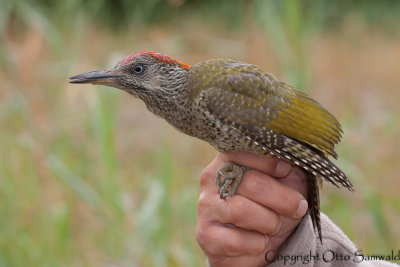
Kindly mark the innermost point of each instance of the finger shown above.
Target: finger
(241, 212)
(297, 179)
(262, 188)
(227, 240)
(270, 165)
(271, 193)
(207, 178)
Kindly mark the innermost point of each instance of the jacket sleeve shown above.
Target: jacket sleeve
(303, 248)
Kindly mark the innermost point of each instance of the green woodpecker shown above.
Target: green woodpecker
(234, 106)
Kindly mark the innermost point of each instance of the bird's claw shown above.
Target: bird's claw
(232, 174)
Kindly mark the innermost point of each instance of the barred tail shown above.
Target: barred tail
(315, 163)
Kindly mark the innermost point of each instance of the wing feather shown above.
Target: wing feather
(248, 95)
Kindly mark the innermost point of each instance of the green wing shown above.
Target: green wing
(247, 95)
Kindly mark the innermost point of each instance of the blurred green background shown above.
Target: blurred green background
(88, 177)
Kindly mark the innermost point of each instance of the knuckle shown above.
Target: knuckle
(251, 179)
(206, 174)
(201, 235)
(261, 245)
(256, 184)
(232, 246)
(275, 225)
(291, 203)
(236, 207)
(207, 243)
(202, 203)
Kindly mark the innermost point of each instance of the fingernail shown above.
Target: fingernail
(301, 210)
(282, 168)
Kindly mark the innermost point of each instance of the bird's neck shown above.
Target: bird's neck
(171, 99)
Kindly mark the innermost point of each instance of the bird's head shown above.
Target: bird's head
(147, 75)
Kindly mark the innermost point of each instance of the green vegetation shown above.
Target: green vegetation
(88, 177)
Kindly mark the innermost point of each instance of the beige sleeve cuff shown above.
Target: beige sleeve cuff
(303, 248)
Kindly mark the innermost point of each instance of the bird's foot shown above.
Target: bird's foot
(232, 174)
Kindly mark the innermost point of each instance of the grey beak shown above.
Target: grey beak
(104, 77)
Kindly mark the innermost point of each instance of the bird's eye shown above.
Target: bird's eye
(138, 69)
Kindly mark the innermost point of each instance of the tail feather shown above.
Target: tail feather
(313, 203)
(316, 163)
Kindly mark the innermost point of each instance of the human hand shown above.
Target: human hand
(267, 207)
